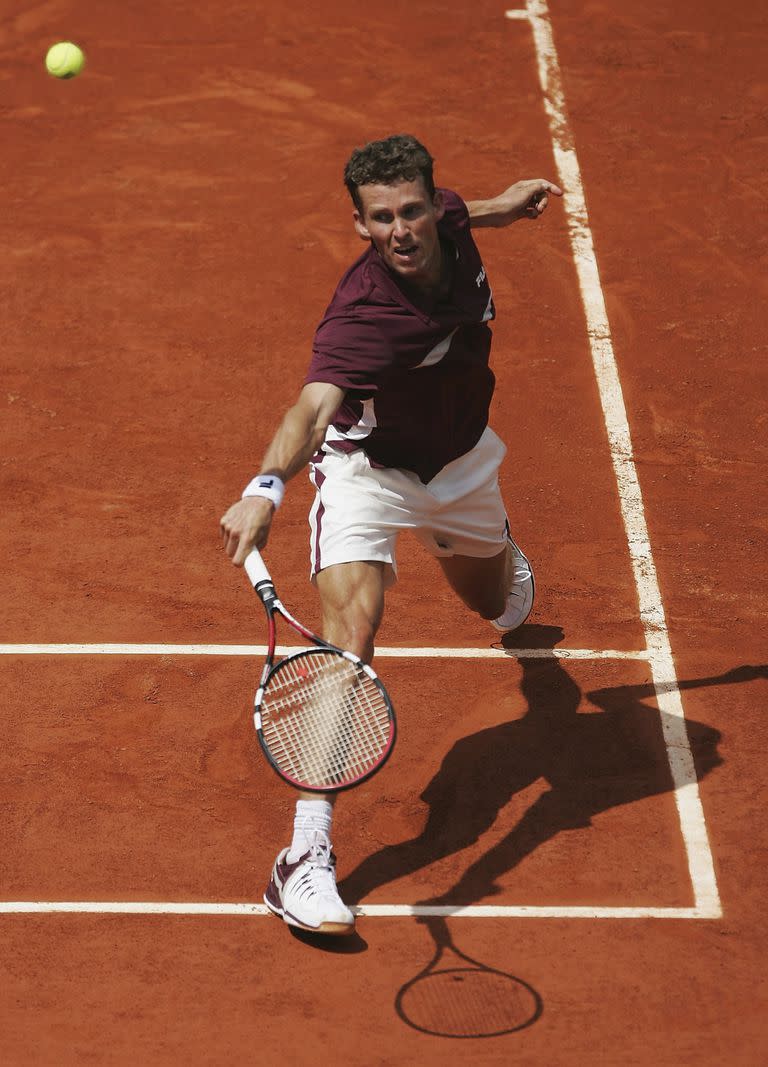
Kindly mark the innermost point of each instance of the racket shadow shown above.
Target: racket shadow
(456, 996)
(591, 762)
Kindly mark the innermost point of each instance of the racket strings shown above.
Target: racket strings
(468, 1002)
(314, 735)
(324, 720)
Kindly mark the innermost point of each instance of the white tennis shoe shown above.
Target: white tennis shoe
(304, 893)
(520, 597)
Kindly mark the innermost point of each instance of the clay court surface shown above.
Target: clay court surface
(173, 226)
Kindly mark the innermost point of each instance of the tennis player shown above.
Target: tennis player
(393, 422)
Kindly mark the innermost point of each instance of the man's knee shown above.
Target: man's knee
(351, 629)
(352, 598)
(482, 584)
(491, 605)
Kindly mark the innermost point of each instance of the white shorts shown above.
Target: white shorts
(359, 510)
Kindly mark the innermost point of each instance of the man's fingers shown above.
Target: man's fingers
(238, 544)
(231, 543)
(540, 197)
(242, 551)
(536, 206)
(257, 539)
(233, 540)
(245, 526)
(546, 186)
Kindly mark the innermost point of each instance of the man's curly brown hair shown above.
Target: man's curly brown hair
(397, 158)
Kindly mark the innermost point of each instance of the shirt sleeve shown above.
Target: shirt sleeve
(456, 217)
(351, 352)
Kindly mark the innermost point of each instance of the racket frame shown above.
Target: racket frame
(265, 589)
(444, 950)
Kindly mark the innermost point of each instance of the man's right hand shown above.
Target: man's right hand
(245, 526)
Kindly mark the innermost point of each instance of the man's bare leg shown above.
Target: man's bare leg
(302, 889)
(500, 588)
(482, 584)
(352, 602)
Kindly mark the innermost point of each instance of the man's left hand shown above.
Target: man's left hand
(528, 199)
(524, 200)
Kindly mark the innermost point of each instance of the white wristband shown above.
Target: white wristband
(267, 485)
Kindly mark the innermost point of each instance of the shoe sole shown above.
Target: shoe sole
(332, 929)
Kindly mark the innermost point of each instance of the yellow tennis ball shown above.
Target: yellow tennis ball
(64, 60)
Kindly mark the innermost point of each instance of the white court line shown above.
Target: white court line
(380, 911)
(282, 650)
(692, 824)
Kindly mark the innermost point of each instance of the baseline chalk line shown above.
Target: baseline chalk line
(380, 911)
(402, 652)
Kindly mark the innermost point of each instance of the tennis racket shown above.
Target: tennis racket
(324, 720)
(455, 996)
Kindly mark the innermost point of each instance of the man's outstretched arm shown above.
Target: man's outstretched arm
(523, 200)
(247, 523)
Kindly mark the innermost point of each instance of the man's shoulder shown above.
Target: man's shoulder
(357, 287)
(352, 320)
(362, 302)
(456, 215)
(351, 346)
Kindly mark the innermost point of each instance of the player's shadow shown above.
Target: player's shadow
(591, 761)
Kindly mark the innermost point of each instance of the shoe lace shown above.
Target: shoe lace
(521, 573)
(522, 569)
(320, 875)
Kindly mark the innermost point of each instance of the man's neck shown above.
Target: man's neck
(439, 280)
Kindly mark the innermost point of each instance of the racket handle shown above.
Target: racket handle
(256, 568)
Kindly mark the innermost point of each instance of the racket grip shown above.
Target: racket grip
(256, 568)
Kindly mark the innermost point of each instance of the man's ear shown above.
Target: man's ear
(439, 204)
(360, 227)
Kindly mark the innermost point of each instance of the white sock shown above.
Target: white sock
(311, 816)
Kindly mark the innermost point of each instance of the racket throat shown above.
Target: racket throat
(266, 592)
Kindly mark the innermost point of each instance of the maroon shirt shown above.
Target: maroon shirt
(417, 381)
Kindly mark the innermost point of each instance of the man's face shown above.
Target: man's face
(401, 220)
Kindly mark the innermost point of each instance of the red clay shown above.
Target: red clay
(174, 226)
